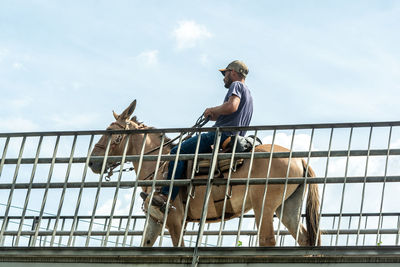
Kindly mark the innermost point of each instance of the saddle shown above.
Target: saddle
(244, 144)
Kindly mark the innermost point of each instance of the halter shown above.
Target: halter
(201, 121)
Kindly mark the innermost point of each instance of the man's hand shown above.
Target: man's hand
(210, 112)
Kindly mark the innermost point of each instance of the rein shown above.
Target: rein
(201, 121)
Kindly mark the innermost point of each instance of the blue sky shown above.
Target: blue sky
(65, 65)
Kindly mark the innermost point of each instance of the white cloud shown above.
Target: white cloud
(72, 121)
(18, 103)
(17, 125)
(17, 65)
(3, 53)
(189, 33)
(149, 58)
(204, 59)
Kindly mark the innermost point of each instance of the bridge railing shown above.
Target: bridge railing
(50, 197)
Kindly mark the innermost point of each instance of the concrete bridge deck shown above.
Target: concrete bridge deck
(208, 256)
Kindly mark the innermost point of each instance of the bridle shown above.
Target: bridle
(110, 167)
(201, 121)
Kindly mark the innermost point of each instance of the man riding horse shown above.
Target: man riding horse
(236, 110)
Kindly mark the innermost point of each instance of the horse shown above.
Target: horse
(289, 196)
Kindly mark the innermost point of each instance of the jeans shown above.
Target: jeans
(189, 147)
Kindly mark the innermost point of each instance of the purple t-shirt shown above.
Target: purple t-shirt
(242, 116)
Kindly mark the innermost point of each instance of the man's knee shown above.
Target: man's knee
(173, 150)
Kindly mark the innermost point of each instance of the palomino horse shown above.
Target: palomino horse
(273, 201)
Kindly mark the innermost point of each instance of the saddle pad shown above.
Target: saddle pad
(203, 166)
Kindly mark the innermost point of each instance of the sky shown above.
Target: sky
(65, 65)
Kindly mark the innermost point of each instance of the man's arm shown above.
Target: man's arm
(226, 108)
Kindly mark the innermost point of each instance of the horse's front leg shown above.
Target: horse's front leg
(174, 222)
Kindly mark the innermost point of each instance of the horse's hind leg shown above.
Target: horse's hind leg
(267, 237)
(290, 217)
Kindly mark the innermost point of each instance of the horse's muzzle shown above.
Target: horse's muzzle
(95, 166)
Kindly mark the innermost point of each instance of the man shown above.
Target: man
(236, 110)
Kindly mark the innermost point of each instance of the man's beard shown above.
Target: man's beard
(228, 83)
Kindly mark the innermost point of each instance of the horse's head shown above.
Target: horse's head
(117, 141)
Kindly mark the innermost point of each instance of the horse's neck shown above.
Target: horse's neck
(148, 167)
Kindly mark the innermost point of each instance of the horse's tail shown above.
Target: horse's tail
(312, 209)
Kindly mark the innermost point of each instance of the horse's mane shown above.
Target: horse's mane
(144, 126)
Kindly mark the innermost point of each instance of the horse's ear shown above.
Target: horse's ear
(128, 111)
(134, 118)
(115, 115)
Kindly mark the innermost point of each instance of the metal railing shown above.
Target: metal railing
(49, 196)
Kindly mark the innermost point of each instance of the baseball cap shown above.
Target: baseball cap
(237, 66)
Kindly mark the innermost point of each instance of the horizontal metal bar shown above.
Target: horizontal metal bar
(216, 181)
(174, 130)
(76, 233)
(71, 217)
(300, 154)
(194, 233)
(246, 216)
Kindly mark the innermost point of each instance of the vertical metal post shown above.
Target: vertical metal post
(29, 190)
(104, 229)
(227, 194)
(10, 196)
(210, 179)
(305, 188)
(333, 227)
(3, 157)
(365, 227)
(247, 188)
(33, 227)
(2, 240)
(133, 229)
(119, 229)
(171, 186)
(266, 187)
(286, 183)
(153, 189)
(117, 189)
(103, 168)
(190, 191)
(63, 191)
(206, 239)
(344, 186)
(191, 236)
(138, 172)
(324, 187)
(53, 160)
(364, 184)
(348, 227)
(47, 229)
(75, 221)
(62, 229)
(398, 231)
(380, 221)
